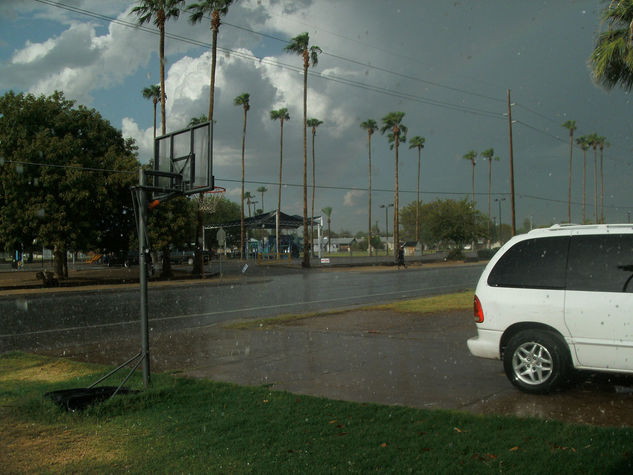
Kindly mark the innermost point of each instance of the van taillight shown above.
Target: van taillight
(478, 311)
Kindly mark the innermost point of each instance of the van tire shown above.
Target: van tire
(536, 361)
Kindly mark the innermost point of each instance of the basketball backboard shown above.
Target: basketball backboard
(183, 161)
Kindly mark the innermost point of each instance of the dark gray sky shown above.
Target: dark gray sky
(447, 65)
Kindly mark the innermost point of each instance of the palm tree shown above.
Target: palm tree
(152, 92)
(417, 142)
(370, 126)
(488, 155)
(215, 8)
(612, 57)
(313, 123)
(328, 212)
(470, 155)
(583, 142)
(262, 190)
(392, 122)
(281, 115)
(197, 120)
(248, 197)
(158, 11)
(602, 142)
(571, 126)
(300, 45)
(593, 142)
(243, 100)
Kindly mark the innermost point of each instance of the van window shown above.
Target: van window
(601, 263)
(533, 263)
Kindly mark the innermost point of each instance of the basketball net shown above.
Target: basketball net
(208, 202)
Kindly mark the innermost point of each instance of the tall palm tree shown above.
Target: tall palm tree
(215, 8)
(328, 212)
(593, 142)
(244, 101)
(281, 115)
(248, 198)
(262, 190)
(612, 57)
(583, 142)
(571, 126)
(471, 155)
(153, 92)
(488, 155)
(602, 142)
(313, 123)
(370, 126)
(300, 45)
(158, 11)
(392, 123)
(417, 142)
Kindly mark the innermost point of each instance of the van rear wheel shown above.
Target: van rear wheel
(536, 361)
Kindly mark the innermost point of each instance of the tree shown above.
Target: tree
(370, 126)
(158, 11)
(488, 155)
(215, 8)
(455, 222)
(417, 142)
(583, 142)
(248, 198)
(300, 45)
(593, 140)
(571, 126)
(66, 175)
(153, 92)
(313, 123)
(244, 101)
(281, 115)
(392, 123)
(612, 58)
(197, 120)
(327, 211)
(470, 156)
(602, 142)
(262, 190)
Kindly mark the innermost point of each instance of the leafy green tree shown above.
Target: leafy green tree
(216, 8)
(410, 217)
(455, 222)
(392, 123)
(417, 142)
(370, 126)
(571, 126)
(281, 115)
(612, 58)
(152, 92)
(313, 124)
(158, 12)
(301, 45)
(226, 211)
(244, 101)
(66, 174)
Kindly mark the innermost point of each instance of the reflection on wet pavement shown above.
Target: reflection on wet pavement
(377, 356)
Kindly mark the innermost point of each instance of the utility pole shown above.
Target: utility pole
(514, 227)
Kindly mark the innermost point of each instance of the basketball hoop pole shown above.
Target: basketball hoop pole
(142, 218)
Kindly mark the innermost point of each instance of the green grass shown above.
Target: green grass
(424, 305)
(196, 426)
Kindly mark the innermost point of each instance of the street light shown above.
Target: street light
(499, 200)
(387, 222)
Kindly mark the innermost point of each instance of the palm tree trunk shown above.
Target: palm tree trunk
(155, 100)
(396, 234)
(313, 191)
(215, 25)
(161, 28)
(571, 146)
(602, 220)
(595, 184)
(417, 204)
(242, 200)
(584, 186)
(306, 251)
(489, 193)
(281, 155)
(369, 227)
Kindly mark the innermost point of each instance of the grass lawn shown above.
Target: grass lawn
(198, 426)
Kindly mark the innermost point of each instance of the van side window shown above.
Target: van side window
(533, 263)
(601, 263)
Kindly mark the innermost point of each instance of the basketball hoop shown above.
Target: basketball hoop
(208, 200)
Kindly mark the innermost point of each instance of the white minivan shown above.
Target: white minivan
(556, 299)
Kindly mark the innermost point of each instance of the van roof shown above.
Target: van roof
(582, 229)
